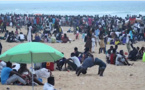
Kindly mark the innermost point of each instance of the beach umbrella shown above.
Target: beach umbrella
(31, 52)
(143, 59)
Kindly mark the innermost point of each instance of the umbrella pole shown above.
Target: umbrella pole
(32, 72)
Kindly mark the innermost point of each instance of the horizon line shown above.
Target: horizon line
(61, 0)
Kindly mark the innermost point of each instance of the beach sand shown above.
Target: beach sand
(115, 77)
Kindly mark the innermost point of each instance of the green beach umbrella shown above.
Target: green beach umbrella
(143, 59)
(32, 52)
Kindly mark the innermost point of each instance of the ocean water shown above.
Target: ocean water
(119, 8)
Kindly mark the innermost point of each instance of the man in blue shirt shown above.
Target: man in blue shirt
(7, 79)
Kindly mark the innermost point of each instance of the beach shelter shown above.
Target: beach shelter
(31, 52)
(143, 59)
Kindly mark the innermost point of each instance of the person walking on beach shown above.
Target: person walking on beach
(29, 34)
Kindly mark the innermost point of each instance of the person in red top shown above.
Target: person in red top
(65, 39)
(38, 20)
(113, 57)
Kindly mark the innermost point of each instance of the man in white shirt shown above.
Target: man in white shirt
(121, 60)
(73, 62)
(21, 36)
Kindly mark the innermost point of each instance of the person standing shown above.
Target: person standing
(4, 27)
(141, 32)
(29, 34)
(89, 40)
(128, 42)
(93, 44)
(102, 45)
(97, 33)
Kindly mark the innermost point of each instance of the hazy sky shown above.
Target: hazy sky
(71, 0)
(39, 1)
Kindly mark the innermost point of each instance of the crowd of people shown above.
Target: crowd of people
(95, 31)
(113, 29)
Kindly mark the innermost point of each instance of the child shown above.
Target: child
(102, 45)
(77, 35)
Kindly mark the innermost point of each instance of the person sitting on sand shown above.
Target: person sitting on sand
(2, 65)
(6, 35)
(37, 38)
(90, 62)
(7, 79)
(121, 59)
(113, 57)
(21, 37)
(60, 63)
(53, 39)
(16, 32)
(110, 51)
(58, 38)
(26, 74)
(73, 62)
(141, 52)
(10, 37)
(133, 54)
(65, 39)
